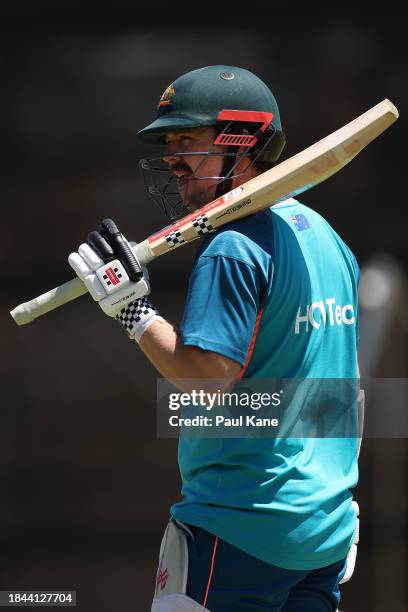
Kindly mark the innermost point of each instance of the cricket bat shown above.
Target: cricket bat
(288, 179)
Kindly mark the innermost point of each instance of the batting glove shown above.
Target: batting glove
(115, 279)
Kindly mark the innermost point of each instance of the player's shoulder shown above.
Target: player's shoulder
(290, 207)
(301, 217)
(247, 239)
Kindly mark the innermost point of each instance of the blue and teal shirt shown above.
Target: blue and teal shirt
(286, 273)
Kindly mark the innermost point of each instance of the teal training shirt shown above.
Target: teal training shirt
(286, 501)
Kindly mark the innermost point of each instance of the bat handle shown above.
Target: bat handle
(27, 312)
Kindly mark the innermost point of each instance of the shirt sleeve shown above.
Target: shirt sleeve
(223, 300)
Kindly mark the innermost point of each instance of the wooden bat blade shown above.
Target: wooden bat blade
(289, 178)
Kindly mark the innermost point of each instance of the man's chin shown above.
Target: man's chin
(196, 201)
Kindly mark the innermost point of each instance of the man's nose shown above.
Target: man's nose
(169, 156)
(169, 159)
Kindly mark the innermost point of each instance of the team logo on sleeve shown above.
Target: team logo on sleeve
(300, 222)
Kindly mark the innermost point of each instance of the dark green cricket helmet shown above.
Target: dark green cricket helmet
(212, 96)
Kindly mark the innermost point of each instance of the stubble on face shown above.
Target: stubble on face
(196, 175)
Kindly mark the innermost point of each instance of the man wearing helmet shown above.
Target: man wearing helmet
(237, 144)
(263, 524)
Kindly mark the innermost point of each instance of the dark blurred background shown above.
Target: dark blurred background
(86, 484)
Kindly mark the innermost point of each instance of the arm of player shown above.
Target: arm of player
(120, 287)
(162, 345)
(216, 329)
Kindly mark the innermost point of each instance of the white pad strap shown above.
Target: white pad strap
(352, 556)
(176, 603)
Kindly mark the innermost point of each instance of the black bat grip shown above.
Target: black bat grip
(111, 232)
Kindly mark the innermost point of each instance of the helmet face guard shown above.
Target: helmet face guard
(162, 184)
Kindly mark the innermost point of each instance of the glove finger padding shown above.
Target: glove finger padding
(85, 273)
(101, 246)
(122, 249)
(79, 265)
(90, 256)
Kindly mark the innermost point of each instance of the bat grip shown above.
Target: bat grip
(27, 312)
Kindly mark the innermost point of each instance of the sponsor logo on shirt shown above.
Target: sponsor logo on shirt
(322, 314)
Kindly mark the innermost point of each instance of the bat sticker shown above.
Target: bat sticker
(233, 209)
(202, 225)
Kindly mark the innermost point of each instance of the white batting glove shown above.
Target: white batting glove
(108, 283)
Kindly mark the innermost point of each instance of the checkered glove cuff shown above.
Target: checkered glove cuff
(137, 316)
